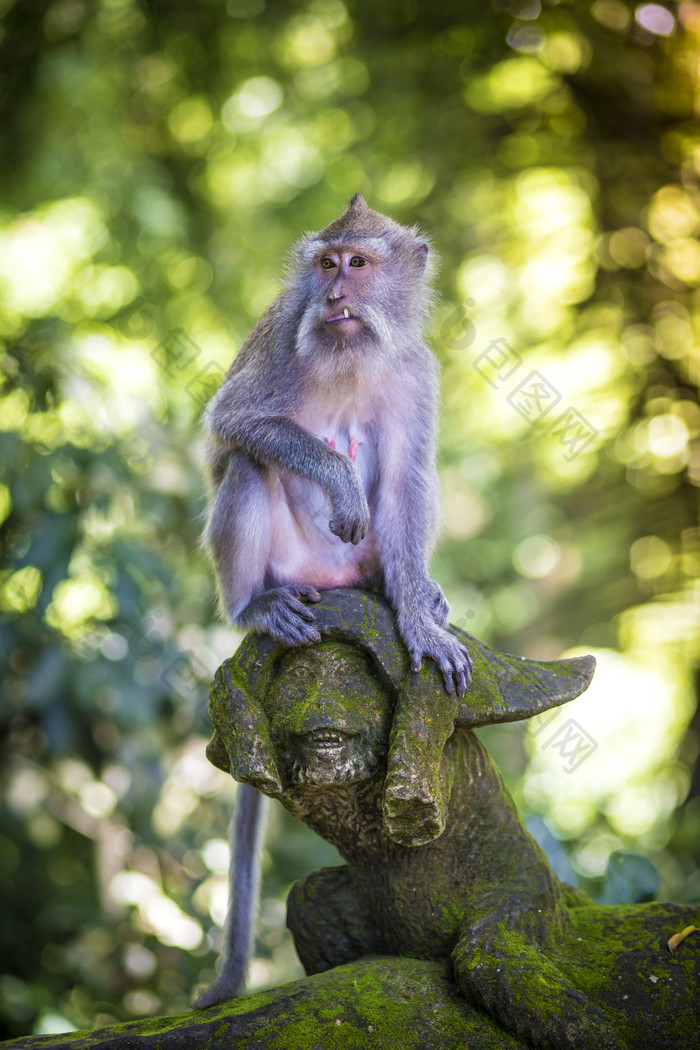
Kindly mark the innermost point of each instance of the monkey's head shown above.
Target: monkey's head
(363, 283)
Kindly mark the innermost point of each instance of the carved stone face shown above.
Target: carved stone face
(329, 715)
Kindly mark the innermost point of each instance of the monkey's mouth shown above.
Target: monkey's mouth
(326, 739)
(344, 315)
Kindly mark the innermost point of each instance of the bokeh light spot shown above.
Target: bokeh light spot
(657, 19)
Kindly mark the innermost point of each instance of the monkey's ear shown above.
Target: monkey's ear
(421, 251)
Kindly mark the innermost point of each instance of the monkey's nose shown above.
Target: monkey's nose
(334, 294)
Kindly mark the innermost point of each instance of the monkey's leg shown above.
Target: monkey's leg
(403, 526)
(329, 921)
(239, 535)
(503, 972)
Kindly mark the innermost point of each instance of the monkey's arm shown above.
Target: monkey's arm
(272, 438)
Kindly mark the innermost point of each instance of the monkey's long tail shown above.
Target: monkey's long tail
(247, 832)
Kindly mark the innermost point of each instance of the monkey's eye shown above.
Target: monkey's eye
(327, 263)
(358, 261)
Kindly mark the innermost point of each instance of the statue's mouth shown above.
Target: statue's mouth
(326, 739)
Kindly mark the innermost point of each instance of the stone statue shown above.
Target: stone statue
(383, 763)
(446, 927)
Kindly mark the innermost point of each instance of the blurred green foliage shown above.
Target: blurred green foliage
(158, 159)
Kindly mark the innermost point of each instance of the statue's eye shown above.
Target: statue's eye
(358, 261)
(327, 263)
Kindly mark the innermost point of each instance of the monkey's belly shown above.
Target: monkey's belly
(304, 550)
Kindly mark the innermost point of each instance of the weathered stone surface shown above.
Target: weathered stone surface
(446, 927)
(383, 763)
(377, 1003)
(390, 1003)
(420, 715)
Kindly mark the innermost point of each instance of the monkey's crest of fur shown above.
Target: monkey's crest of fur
(361, 225)
(357, 223)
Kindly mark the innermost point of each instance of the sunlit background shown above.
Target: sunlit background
(158, 158)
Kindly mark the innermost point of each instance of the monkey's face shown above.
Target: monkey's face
(345, 275)
(344, 309)
(329, 715)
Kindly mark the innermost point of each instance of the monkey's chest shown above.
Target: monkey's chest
(304, 550)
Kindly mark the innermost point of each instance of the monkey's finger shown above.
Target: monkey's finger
(462, 668)
(339, 529)
(299, 609)
(294, 632)
(286, 619)
(465, 653)
(299, 637)
(308, 636)
(447, 678)
(463, 680)
(464, 657)
(296, 606)
(310, 593)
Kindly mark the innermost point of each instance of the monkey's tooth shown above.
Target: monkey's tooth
(346, 313)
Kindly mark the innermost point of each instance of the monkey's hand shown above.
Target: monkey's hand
(423, 637)
(349, 507)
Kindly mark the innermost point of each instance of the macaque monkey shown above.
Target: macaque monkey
(322, 453)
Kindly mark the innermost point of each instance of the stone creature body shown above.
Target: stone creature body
(439, 864)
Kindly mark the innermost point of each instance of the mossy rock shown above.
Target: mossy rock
(618, 955)
(439, 866)
(380, 1002)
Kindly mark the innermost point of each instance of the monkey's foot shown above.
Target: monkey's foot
(281, 613)
(447, 652)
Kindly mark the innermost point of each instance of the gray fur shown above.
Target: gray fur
(246, 834)
(274, 478)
